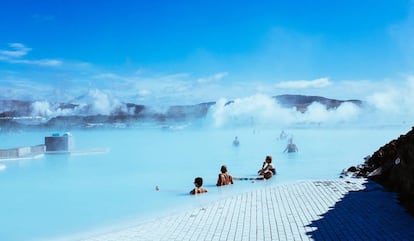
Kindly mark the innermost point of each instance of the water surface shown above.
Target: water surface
(64, 195)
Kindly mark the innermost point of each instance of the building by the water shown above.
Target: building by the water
(53, 144)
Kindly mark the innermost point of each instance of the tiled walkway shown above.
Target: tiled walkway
(351, 209)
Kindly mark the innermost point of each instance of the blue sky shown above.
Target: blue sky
(193, 51)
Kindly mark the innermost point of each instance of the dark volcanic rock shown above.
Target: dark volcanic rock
(135, 109)
(8, 114)
(67, 106)
(393, 166)
(15, 108)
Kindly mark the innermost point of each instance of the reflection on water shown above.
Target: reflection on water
(59, 195)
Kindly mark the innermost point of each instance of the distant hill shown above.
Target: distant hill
(19, 114)
(301, 102)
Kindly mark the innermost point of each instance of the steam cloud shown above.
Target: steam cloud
(390, 106)
(95, 102)
(394, 104)
(264, 110)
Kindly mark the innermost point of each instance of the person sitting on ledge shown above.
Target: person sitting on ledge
(198, 183)
(224, 178)
(268, 170)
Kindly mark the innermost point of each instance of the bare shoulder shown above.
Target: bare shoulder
(201, 190)
(198, 190)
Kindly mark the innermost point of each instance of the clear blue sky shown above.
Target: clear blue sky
(199, 50)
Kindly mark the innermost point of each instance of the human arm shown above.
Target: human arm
(262, 169)
(220, 180)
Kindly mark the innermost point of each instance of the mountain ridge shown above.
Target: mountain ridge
(19, 113)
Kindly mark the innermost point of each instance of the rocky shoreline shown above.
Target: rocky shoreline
(392, 166)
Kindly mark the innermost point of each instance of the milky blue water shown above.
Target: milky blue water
(58, 196)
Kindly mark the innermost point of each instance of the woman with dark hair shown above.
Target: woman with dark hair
(268, 170)
(198, 183)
